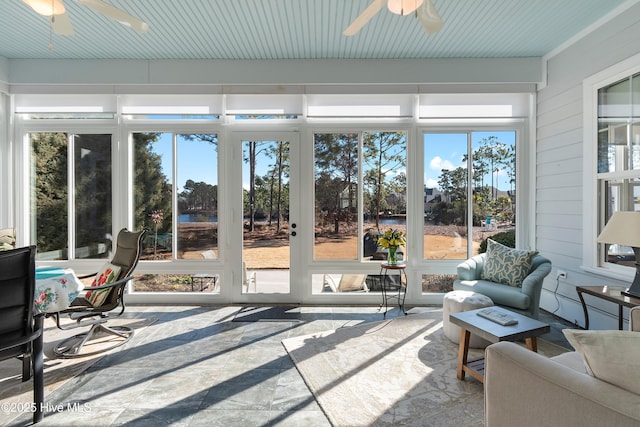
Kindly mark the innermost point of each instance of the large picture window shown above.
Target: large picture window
(454, 213)
(73, 167)
(618, 159)
(195, 195)
(360, 189)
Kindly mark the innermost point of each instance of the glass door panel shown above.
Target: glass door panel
(269, 182)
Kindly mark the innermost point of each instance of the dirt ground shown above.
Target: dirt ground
(263, 249)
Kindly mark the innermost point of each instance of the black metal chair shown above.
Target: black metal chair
(20, 323)
(88, 311)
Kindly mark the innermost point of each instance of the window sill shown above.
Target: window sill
(619, 273)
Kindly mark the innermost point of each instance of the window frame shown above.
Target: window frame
(122, 126)
(130, 127)
(593, 212)
(25, 128)
(525, 180)
(360, 130)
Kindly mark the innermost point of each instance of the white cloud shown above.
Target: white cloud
(431, 183)
(437, 164)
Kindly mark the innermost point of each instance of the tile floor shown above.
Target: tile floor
(194, 366)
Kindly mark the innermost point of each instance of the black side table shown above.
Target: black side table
(390, 289)
(607, 293)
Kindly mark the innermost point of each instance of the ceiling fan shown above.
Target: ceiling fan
(424, 9)
(61, 24)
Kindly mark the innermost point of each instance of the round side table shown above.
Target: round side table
(391, 289)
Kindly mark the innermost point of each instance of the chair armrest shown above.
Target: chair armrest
(533, 282)
(329, 283)
(471, 268)
(109, 285)
(38, 323)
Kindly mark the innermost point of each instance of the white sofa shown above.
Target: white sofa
(526, 388)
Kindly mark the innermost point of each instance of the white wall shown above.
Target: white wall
(560, 164)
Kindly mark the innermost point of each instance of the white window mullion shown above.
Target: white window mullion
(360, 192)
(71, 198)
(174, 195)
(470, 173)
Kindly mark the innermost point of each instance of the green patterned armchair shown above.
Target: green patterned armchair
(524, 298)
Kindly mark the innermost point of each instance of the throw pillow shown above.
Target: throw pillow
(506, 265)
(108, 274)
(620, 367)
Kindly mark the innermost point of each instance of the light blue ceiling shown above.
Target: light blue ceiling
(300, 29)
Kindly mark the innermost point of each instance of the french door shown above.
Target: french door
(264, 219)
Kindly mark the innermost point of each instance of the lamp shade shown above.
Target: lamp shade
(623, 228)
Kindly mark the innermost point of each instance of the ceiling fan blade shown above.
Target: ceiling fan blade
(364, 17)
(118, 14)
(61, 25)
(429, 17)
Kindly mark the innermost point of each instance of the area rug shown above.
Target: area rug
(268, 314)
(395, 372)
(56, 371)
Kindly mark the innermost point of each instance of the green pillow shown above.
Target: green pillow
(506, 265)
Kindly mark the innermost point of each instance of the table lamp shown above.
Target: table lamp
(623, 228)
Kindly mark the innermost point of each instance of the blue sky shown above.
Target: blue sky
(446, 150)
(197, 160)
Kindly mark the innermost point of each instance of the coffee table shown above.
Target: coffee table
(526, 329)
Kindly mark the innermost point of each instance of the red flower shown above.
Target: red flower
(41, 297)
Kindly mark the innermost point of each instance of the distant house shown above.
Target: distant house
(431, 197)
(344, 196)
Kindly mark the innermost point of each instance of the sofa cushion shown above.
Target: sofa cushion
(506, 265)
(499, 294)
(610, 356)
